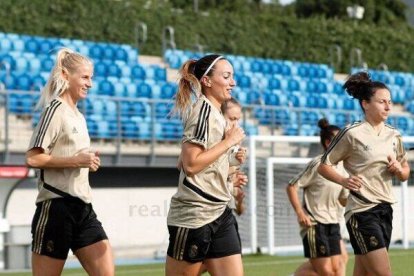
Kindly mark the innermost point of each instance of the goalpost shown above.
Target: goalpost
(273, 160)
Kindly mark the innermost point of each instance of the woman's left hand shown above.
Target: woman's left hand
(96, 163)
(241, 155)
(394, 166)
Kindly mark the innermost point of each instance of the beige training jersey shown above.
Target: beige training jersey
(202, 198)
(320, 195)
(365, 152)
(62, 132)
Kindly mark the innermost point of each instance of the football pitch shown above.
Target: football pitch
(257, 265)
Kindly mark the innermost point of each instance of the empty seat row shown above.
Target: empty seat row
(44, 45)
(175, 58)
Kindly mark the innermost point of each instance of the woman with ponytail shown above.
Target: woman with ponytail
(59, 147)
(201, 225)
(318, 214)
(372, 153)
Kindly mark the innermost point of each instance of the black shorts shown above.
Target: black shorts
(61, 224)
(370, 230)
(322, 240)
(217, 239)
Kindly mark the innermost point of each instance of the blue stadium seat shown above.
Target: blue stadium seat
(23, 82)
(276, 68)
(45, 46)
(105, 87)
(160, 74)
(293, 85)
(113, 70)
(131, 90)
(21, 65)
(291, 130)
(274, 83)
(27, 104)
(35, 66)
(349, 104)
(139, 110)
(5, 45)
(312, 101)
(120, 54)
(47, 64)
(297, 100)
(119, 89)
(243, 81)
(168, 90)
(162, 110)
(144, 130)
(303, 71)
(32, 45)
(108, 52)
(138, 72)
(96, 51)
(13, 103)
(144, 90)
(38, 82)
(8, 59)
(100, 69)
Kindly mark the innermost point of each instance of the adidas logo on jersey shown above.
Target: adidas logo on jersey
(74, 130)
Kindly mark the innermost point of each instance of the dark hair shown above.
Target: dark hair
(327, 131)
(224, 106)
(361, 87)
(191, 73)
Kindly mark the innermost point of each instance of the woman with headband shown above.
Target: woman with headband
(201, 225)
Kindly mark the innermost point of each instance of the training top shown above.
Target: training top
(320, 196)
(202, 198)
(364, 152)
(62, 132)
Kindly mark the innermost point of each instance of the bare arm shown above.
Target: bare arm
(342, 201)
(353, 182)
(195, 158)
(36, 158)
(401, 170)
(239, 198)
(292, 193)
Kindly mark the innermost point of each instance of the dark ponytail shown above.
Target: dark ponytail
(327, 132)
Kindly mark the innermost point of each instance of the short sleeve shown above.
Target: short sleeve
(196, 129)
(401, 154)
(47, 130)
(339, 148)
(303, 179)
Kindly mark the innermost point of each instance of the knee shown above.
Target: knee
(326, 271)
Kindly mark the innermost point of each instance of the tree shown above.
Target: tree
(380, 12)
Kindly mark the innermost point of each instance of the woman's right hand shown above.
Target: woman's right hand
(86, 159)
(304, 219)
(353, 183)
(234, 135)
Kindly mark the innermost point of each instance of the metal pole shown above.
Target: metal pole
(252, 193)
(196, 6)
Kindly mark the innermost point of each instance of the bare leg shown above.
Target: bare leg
(46, 266)
(230, 265)
(375, 263)
(97, 259)
(177, 268)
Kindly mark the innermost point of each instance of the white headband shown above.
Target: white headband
(211, 65)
